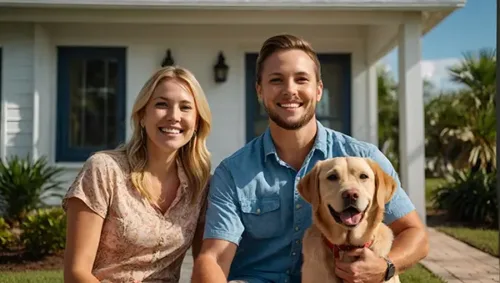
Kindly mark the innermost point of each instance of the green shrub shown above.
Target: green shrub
(469, 196)
(25, 185)
(7, 238)
(44, 231)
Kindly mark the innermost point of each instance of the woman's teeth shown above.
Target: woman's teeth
(170, 131)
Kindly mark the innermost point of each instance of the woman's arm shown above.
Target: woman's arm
(82, 239)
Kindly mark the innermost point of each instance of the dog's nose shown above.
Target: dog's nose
(350, 195)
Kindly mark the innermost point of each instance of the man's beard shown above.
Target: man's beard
(306, 118)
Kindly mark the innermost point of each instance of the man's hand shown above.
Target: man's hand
(369, 268)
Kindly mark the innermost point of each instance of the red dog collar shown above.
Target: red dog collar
(337, 248)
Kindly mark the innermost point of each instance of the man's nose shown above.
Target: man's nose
(291, 87)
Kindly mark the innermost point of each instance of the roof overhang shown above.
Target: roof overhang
(408, 5)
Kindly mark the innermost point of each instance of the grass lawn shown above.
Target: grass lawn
(419, 274)
(431, 184)
(483, 239)
(414, 275)
(52, 276)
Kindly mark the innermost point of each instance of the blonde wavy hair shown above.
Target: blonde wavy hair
(194, 156)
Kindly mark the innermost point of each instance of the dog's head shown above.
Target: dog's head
(347, 190)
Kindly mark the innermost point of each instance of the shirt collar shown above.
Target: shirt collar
(320, 142)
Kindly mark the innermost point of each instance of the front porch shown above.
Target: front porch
(30, 37)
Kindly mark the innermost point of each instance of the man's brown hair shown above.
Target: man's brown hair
(285, 42)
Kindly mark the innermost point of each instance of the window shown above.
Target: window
(90, 101)
(334, 108)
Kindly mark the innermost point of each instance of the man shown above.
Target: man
(256, 218)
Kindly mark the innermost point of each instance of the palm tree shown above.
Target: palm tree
(469, 125)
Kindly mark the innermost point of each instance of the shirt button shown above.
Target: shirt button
(294, 253)
(258, 211)
(297, 242)
(288, 271)
(297, 228)
(297, 206)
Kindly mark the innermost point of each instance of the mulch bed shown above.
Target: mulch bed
(17, 260)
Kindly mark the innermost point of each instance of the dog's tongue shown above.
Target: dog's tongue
(350, 218)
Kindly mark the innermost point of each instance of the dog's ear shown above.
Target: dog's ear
(385, 185)
(308, 186)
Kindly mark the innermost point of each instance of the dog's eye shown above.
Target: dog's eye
(333, 177)
(363, 176)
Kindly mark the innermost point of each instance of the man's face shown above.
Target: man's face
(289, 88)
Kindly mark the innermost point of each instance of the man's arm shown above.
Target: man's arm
(410, 235)
(411, 243)
(223, 230)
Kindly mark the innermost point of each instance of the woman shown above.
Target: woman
(133, 212)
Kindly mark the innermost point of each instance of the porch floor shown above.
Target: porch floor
(457, 262)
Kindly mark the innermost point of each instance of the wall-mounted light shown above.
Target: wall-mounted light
(168, 60)
(220, 69)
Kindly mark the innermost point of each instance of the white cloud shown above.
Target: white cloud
(436, 71)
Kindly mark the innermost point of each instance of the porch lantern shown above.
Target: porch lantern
(220, 69)
(168, 60)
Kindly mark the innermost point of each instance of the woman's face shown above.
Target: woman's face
(170, 117)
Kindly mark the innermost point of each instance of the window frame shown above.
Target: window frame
(64, 152)
(252, 117)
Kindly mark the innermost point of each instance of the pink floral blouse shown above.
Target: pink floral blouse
(138, 243)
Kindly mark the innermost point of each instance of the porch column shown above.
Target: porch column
(411, 115)
(372, 101)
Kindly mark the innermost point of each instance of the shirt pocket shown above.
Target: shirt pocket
(262, 217)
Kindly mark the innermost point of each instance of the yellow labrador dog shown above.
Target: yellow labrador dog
(347, 196)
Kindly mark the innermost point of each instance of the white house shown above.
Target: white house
(71, 69)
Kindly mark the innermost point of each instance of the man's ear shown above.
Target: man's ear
(319, 91)
(385, 185)
(308, 186)
(258, 90)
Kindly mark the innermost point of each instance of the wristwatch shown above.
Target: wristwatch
(391, 269)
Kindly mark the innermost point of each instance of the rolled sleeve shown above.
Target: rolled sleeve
(400, 204)
(223, 212)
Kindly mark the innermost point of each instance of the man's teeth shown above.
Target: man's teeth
(170, 131)
(290, 105)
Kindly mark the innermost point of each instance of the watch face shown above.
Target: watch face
(390, 270)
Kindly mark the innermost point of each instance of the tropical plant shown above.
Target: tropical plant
(469, 196)
(7, 238)
(25, 185)
(472, 128)
(388, 121)
(44, 231)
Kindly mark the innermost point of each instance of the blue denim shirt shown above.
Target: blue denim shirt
(254, 203)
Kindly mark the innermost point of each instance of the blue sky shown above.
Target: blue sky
(467, 29)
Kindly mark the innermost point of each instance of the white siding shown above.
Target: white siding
(16, 40)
